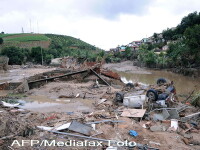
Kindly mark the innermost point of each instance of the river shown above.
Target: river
(183, 84)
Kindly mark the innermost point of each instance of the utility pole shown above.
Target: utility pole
(37, 27)
(30, 26)
(41, 55)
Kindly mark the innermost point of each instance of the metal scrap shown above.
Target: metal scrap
(80, 128)
(103, 121)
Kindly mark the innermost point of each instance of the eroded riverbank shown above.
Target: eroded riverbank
(184, 84)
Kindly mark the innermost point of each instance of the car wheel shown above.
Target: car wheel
(119, 96)
(129, 86)
(161, 81)
(152, 95)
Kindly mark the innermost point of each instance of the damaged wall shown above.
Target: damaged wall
(4, 63)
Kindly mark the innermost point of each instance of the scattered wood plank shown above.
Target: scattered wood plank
(137, 113)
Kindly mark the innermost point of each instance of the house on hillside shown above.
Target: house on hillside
(133, 46)
(122, 48)
(165, 48)
(113, 50)
(144, 40)
(136, 43)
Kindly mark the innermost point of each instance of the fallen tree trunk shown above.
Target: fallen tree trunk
(51, 78)
(100, 77)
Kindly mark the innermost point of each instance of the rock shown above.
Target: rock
(23, 87)
(158, 128)
(1, 142)
(188, 136)
(195, 142)
(186, 141)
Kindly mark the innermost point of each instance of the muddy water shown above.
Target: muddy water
(42, 103)
(183, 84)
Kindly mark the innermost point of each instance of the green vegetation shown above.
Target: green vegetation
(26, 38)
(128, 54)
(16, 55)
(183, 42)
(150, 59)
(62, 41)
(2, 35)
(60, 46)
(196, 100)
(184, 47)
(1, 40)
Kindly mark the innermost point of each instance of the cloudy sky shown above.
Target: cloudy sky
(103, 23)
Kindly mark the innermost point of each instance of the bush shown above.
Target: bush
(16, 55)
(1, 40)
(36, 54)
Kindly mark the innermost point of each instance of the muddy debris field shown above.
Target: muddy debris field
(91, 103)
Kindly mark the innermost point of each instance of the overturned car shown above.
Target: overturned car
(135, 95)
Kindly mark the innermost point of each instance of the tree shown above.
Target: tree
(128, 53)
(1, 40)
(36, 54)
(15, 54)
(155, 35)
(192, 36)
(168, 34)
(188, 21)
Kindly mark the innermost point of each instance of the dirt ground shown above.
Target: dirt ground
(83, 100)
(65, 97)
(126, 66)
(16, 75)
(24, 124)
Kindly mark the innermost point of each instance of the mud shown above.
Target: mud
(79, 98)
(17, 75)
(126, 66)
(48, 97)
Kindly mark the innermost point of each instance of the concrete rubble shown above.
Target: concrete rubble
(157, 127)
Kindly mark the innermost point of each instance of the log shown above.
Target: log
(100, 77)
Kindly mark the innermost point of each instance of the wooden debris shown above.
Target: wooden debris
(133, 113)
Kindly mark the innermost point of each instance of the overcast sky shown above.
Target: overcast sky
(103, 23)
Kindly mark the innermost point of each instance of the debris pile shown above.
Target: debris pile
(148, 117)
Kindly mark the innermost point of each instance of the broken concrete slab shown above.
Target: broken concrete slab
(158, 128)
(188, 136)
(23, 87)
(173, 114)
(80, 128)
(163, 116)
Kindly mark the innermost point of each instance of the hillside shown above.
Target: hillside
(42, 48)
(70, 42)
(27, 40)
